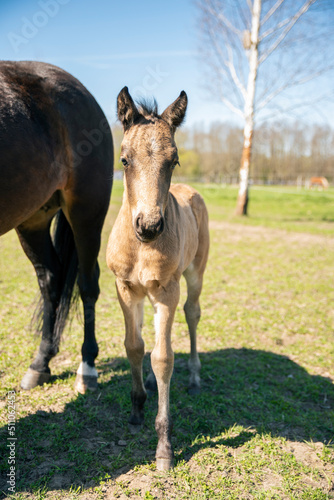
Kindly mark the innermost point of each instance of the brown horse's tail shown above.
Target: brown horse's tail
(64, 245)
(63, 242)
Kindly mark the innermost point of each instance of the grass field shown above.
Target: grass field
(263, 425)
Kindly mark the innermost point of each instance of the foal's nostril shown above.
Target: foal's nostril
(139, 221)
(160, 226)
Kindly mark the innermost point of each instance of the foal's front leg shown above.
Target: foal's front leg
(164, 300)
(132, 302)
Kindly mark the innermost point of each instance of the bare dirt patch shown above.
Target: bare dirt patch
(237, 232)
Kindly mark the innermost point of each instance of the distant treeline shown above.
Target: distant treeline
(282, 153)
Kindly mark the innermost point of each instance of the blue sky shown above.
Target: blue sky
(149, 45)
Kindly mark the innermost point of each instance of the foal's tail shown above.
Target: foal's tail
(64, 245)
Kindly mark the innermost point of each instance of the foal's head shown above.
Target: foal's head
(149, 155)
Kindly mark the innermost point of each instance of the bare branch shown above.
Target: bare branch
(286, 86)
(224, 69)
(244, 16)
(223, 19)
(292, 22)
(274, 29)
(231, 106)
(234, 75)
(297, 105)
(271, 11)
(250, 6)
(290, 82)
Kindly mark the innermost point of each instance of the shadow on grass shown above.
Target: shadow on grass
(90, 440)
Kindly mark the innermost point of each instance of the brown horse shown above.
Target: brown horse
(56, 162)
(320, 182)
(161, 232)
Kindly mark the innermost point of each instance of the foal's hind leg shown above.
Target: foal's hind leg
(35, 239)
(193, 313)
(132, 307)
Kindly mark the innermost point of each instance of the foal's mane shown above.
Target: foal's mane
(148, 108)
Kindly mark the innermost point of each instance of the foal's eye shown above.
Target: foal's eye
(124, 161)
(176, 162)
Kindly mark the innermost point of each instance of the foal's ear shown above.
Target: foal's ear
(126, 109)
(175, 113)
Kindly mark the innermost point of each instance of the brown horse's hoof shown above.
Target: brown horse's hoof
(33, 378)
(164, 464)
(84, 383)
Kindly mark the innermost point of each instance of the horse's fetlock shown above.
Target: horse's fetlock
(164, 427)
(89, 352)
(47, 350)
(194, 365)
(194, 380)
(164, 449)
(138, 399)
(137, 414)
(40, 366)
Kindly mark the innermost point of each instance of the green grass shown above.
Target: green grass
(278, 207)
(263, 425)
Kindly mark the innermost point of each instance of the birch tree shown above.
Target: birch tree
(257, 50)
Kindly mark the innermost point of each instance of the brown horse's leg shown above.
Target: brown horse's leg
(165, 300)
(193, 313)
(85, 204)
(87, 241)
(132, 306)
(87, 375)
(35, 239)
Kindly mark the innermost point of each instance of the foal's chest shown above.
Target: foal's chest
(159, 261)
(144, 265)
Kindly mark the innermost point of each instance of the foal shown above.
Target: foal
(161, 232)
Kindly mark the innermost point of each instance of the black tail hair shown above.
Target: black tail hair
(63, 242)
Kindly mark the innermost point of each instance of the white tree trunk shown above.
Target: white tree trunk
(249, 110)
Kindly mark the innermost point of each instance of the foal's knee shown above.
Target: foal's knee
(162, 364)
(192, 311)
(135, 349)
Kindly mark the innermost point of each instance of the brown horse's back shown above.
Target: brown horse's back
(49, 128)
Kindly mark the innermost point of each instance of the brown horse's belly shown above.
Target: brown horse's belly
(17, 208)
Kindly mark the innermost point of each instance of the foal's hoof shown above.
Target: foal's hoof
(32, 378)
(84, 383)
(134, 429)
(194, 390)
(165, 464)
(136, 419)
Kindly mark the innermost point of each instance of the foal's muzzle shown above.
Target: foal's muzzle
(147, 231)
